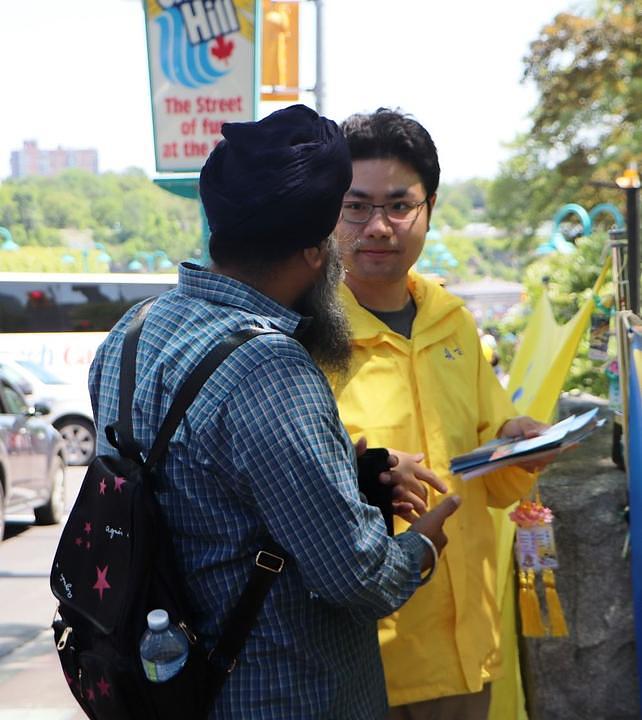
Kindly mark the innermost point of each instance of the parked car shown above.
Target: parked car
(32, 465)
(70, 406)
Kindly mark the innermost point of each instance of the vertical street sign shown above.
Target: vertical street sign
(280, 51)
(202, 69)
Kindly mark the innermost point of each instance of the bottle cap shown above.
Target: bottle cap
(157, 620)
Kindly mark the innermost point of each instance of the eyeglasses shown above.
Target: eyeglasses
(396, 211)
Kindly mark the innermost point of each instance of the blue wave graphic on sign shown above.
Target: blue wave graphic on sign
(181, 61)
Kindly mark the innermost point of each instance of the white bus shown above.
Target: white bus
(58, 320)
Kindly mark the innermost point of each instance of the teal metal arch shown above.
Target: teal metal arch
(568, 209)
(9, 243)
(611, 210)
(557, 241)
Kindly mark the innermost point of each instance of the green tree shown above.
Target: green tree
(28, 209)
(588, 71)
(8, 207)
(587, 123)
(64, 209)
(460, 203)
(568, 280)
(126, 212)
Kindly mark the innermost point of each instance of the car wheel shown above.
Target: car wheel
(1, 512)
(53, 511)
(80, 440)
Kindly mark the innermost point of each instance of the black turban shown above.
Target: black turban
(279, 181)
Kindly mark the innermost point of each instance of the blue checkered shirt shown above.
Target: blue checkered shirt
(262, 450)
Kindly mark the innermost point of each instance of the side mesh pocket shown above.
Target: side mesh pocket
(189, 693)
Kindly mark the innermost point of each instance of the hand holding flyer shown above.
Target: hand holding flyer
(502, 452)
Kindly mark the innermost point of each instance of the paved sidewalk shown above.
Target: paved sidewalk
(32, 686)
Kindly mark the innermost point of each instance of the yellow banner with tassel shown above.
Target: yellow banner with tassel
(537, 376)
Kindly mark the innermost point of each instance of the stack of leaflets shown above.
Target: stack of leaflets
(509, 451)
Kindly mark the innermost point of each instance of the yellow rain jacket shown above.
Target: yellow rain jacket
(436, 394)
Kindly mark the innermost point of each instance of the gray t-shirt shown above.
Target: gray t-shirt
(398, 320)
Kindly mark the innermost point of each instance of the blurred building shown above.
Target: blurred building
(31, 160)
(489, 299)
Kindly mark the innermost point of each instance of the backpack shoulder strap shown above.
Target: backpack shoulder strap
(268, 564)
(121, 433)
(269, 561)
(191, 386)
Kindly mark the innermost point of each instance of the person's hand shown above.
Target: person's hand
(522, 427)
(526, 427)
(360, 446)
(409, 478)
(431, 524)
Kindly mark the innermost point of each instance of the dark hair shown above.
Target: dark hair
(389, 133)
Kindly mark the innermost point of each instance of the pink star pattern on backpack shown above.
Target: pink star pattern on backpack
(101, 581)
(103, 686)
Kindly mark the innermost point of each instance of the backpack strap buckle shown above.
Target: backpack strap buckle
(269, 561)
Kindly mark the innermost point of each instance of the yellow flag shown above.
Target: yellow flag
(537, 375)
(544, 357)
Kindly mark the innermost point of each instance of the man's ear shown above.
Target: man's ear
(430, 204)
(314, 256)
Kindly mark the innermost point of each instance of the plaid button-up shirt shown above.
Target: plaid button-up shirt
(262, 450)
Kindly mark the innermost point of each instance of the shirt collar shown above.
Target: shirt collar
(198, 282)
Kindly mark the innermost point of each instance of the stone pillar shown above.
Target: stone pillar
(592, 673)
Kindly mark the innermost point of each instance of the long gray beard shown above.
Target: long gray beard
(328, 338)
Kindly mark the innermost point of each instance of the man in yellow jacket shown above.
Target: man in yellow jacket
(418, 382)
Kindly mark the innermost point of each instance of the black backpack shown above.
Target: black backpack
(115, 563)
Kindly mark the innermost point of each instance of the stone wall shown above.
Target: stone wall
(592, 673)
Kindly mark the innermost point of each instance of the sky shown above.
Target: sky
(73, 73)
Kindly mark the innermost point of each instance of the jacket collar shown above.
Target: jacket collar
(438, 315)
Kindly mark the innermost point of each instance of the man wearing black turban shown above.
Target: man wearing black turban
(276, 185)
(261, 453)
(269, 190)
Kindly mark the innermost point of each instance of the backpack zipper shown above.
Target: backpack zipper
(63, 638)
(188, 633)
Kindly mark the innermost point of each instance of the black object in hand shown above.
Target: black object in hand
(370, 465)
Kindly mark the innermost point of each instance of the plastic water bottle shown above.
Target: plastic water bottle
(163, 648)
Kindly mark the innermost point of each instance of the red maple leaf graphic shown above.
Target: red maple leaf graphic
(222, 48)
